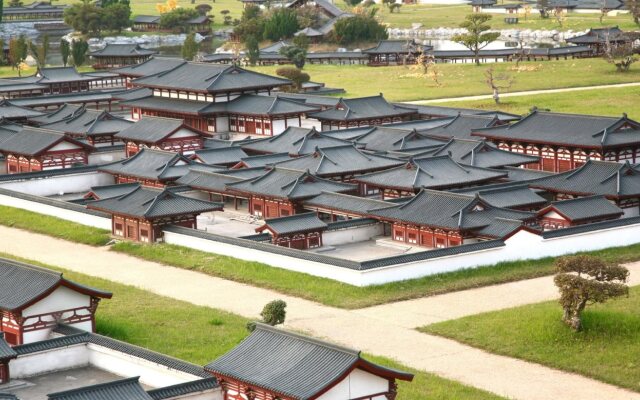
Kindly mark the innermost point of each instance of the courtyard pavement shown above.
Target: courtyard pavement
(383, 330)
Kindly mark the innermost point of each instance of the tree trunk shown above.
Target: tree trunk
(496, 96)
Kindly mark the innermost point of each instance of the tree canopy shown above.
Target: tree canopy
(584, 280)
(176, 19)
(281, 24)
(477, 36)
(362, 27)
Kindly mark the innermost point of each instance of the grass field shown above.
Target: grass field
(612, 101)
(325, 291)
(607, 349)
(450, 16)
(52, 226)
(158, 323)
(399, 83)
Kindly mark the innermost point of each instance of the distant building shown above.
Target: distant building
(119, 55)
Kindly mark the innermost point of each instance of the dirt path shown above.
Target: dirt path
(524, 93)
(376, 330)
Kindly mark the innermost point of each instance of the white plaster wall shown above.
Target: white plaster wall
(182, 132)
(357, 384)
(69, 215)
(104, 157)
(522, 245)
(293, 122)
(151, 374)
(48, 361)
(222, 124)
(214, 394)
(352, 235)
(62, 298)
(278, 127)
(73, 183)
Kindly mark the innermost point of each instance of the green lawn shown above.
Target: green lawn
(158, 323)
(607, 349)
(399, 83)
(322, 290)
(597, 101)
(52, 226)
(438, 16)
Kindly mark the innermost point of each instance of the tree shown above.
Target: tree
(190, 47)
(353, 3)
(392, 5)
(84, 17)
(18, 50)
(362, 27)
(274, 312)
(203, 9)
(79, 48)
(65, 51)
(560, 16)
(117, 17)
(282, 24)
(295, 54)
(585, 280)
(251, 24)
(478, 35)
(526, 11)
(620, 55)
(295, 75)
(15, 3)
(226, 17)
(497, 82)
(543, 8)
(177, 19)
(301, 41)
(1, 9)
(252, 50)
(2, 59)
(308, 16)
(634, 9)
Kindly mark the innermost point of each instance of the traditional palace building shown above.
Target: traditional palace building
(119, 55)
(307, 369)
(151, 168)
(215, 98)
(566, 141)
(34, 300)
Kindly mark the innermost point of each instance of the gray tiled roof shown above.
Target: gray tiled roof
(153, 129)
(585, 208)
(339, 160)
(176, 105)
(294, 223)
(146, 19)
(222, 156)
(568, 129)
(8, 110)
(6, 352)
(514, 196)
(125, 389)
(182, 389)
(363, 108)
(434, 111)
(152, 66)
(215, 179)
(431, 172)
(33, 141)
(482, 154)
(289, 184)
(88, 122)
(346, 203)
(111, 191)
(382, 138)
(61, 74)
(610, 179)
(151, 164)
(64, 112)
(21, 284)
(600, 35)
(60, 99)
(264, 160)
(295, 141)
(461, 126)
(293, 365)
(8, 396)
(153, 203)
(455, 211)
(210, 78)
(121, 50)
(522, 174)
(399, 46)
(312, 99)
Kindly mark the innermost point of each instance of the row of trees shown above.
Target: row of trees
(86, 17)
(20, 48)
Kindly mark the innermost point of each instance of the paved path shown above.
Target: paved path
(376, 330)
(524, 93)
